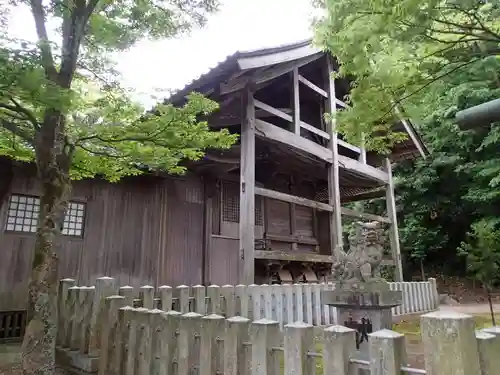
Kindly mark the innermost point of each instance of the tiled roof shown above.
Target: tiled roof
(227, 67)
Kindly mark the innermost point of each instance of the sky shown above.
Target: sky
(171, 64)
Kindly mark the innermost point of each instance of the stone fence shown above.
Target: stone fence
(138, 341)
(283, 303)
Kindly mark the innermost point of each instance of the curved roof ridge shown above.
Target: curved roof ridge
(229, 65)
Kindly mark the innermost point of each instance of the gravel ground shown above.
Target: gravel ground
(477, 308)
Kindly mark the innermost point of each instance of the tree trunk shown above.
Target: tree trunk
(38, 348)
(422, 270)
(490, 302)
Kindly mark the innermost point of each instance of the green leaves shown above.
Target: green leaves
(113, 138)
(482, 251)
(398, 51)
(66, 92)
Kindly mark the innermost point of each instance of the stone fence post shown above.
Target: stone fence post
(299, 341)
(62, 302)
(265, 335)
(104, 287)
(236, 362)
(450, 344)
(435, 293)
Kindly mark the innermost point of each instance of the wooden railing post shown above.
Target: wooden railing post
(265, 334)
(450, 344)
(299, 341)
(211, 327)
(236, 335)
(104, 287)
(339, 345)
(62, 306)
(387, 352)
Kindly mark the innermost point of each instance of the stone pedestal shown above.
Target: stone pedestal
(365, 307)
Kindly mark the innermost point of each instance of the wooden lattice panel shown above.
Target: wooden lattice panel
(12, 325)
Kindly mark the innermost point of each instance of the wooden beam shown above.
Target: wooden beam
(314, 130)
(312, 86)
(325, 135)
(333, 169)
(293, 256)
(274, 111)
(247, 190)
(296, 101)
(362, 153)
(341, 103)
(362, 215)
(409, 129)
(259, 78)
(356, 167)
(302, 257)
(291, 239)
(393, 228)
(349, 146)
(277, 58)
(292, 199)
(267, 130)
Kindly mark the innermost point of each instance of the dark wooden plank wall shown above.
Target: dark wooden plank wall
(145, 230)
(272, 216)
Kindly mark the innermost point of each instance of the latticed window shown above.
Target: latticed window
(231, 205)
(22, 216)
(73, 221)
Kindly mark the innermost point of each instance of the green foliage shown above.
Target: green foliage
(482, 251)
(399, 51)
(430, 59)
(70, 80)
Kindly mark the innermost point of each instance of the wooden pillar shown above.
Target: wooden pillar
(333, 168)
(393, 227)
(247, 190)
(209, 191)
(296, 101)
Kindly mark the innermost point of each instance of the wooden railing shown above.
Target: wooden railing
(138, 341)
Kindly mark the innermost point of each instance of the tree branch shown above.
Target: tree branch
(438, 77)
(29, 115)
(73, 27)
(15, 129)
(43, 39)
(20, 113)
(91, 7)
(100, 153)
